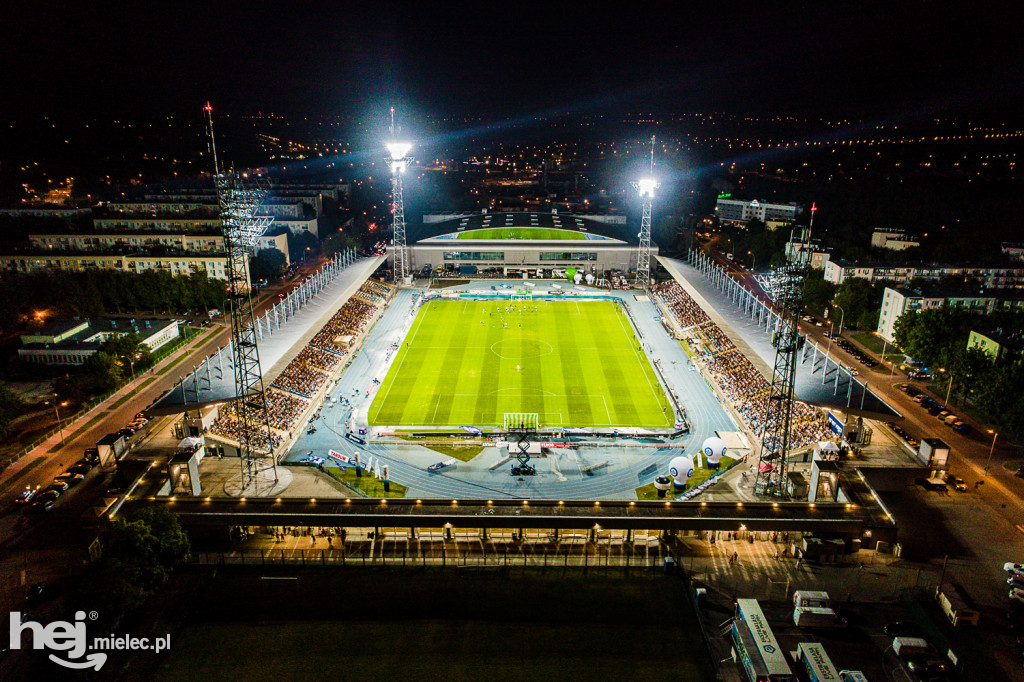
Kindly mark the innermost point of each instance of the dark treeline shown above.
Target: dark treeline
(94, 293)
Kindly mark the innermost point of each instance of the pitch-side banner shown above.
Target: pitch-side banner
(344, 459)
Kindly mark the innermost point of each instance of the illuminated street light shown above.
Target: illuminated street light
(990, 449)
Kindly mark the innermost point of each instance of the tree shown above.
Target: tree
(104, 372)
(10, 407)
(858, 298)
(817, 292)
(298, 243)
(139, 554)
(336, 242)
(129, 350)
(268, 264)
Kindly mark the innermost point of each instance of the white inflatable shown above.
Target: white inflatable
(714, 449)
(577, 278)
(680, 469)
(590, 278)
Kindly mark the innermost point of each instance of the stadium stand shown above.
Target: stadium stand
(738, 379)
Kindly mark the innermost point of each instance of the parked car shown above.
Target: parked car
(902, 628)
(69, 477)
(82, 469)
(26, 495)
(91, 455)
(1017, 594)
(958, 483)
(59, 486)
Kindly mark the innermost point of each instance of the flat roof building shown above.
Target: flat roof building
(71, 342)
(740, 211)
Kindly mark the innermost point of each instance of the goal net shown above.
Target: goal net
(521, 296)
(522, 420)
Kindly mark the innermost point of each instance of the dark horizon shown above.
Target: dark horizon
(875, 62)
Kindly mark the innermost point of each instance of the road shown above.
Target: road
(968, 452)
(51, 457)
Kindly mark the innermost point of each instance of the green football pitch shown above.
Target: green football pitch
(521, 233)
(468, 363)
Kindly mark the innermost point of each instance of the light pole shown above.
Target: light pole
(990, 449)
(60, 424)
(949, 390)
(824, 370)
(842, 316)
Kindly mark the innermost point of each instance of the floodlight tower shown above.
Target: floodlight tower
(645, 187)
(398, 153)
(241, 229)
(788, 296)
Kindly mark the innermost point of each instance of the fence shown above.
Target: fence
(367, 556)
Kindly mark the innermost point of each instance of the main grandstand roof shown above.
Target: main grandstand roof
(596, 229)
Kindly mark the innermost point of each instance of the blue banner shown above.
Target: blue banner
(835, 424)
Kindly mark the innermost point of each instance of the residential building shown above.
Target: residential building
(740, 211)
(1014, 251)
(143, 242)
(901, 273)
(997, 346)
(897, 301)
(182, 264)
(820, 254)
(71, 342)
(894, 240)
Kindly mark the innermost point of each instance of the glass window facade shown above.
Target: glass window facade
(568, 255)
(474, 255)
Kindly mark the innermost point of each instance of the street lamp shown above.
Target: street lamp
(842, 316)
(824, 370)
(60, 424)
(990, 449)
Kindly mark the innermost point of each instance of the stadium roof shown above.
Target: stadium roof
(609, 229)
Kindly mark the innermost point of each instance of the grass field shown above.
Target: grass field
(466, 363)
(521, 233)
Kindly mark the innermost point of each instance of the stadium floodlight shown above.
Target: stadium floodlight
(398, 150)
(646, 186)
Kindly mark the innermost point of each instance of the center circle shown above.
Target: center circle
(533, 349)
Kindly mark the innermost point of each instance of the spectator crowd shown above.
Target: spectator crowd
(745, 387)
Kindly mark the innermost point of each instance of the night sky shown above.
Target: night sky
(874, 61)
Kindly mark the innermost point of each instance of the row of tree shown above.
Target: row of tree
(95, 293)
(939, 337)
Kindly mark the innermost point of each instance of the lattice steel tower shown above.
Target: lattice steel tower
(398, 153)
(645, 187)
(787, 291)
(241, 228)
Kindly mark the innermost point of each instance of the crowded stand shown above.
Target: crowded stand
(736, 376)
(318, 359)
(233, 429)
(301, 379)
(347, 323)
(283, 409)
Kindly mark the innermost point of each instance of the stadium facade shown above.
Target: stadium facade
(511, 243)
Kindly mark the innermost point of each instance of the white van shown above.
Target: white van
(905, 647)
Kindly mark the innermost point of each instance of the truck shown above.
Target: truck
(816, 598)
(817, 617)
(906, 647)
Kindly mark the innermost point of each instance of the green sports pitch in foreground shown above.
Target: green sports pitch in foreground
(536, 233)
(468, 363)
